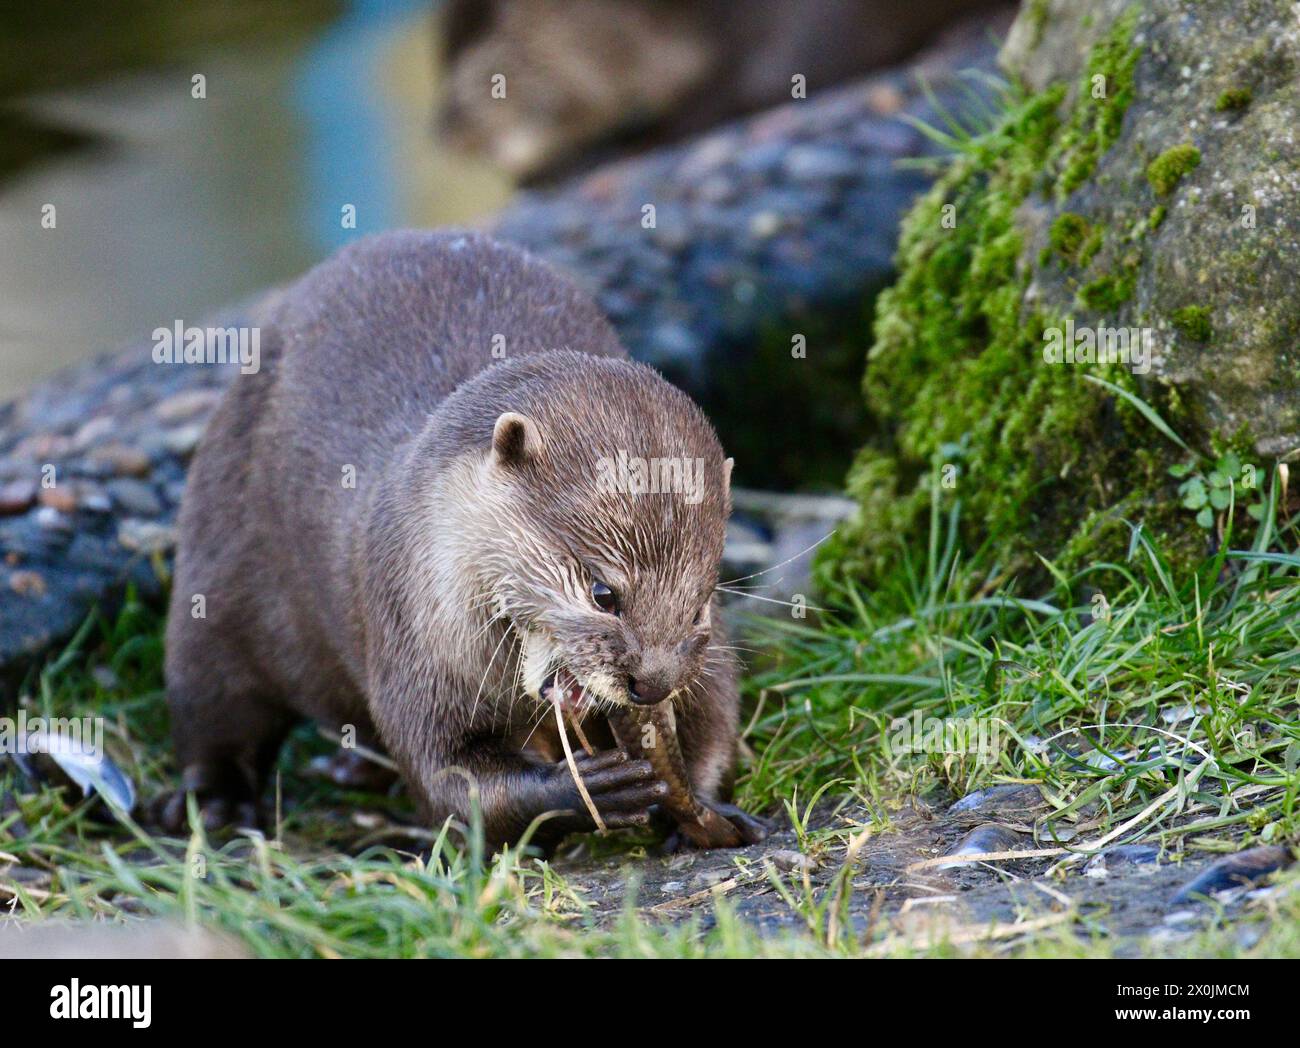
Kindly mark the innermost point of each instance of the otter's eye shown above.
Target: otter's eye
(604, 598)
(699, 615)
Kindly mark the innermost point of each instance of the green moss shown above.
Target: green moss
(1107, 293)
(1168, 169)
(957, 371)
(1234, 98)
(1194, 322)
(1090, 247)
(1038, 15)
(1156, 217)
(1095, 123)
(1068, 234)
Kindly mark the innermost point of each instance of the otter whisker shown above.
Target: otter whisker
(768, 600)
(486, 672)
(781, 565)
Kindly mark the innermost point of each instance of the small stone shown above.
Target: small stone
(182, 406)
(105, 677)
(121, 460)
(1005, 797)
(17, 497)
(1234, 871)
(672, 887)
(143, 536)
(134, 497)
(987, 839)
(764, 225)
(717, 189)
(60, 497)
(42, 446)
(51, 519)
(95, 500)
(885, 99)
(27, 583)
(789, 861)
(816, 163)
(184, 440)
(92, 432)
(708, 878)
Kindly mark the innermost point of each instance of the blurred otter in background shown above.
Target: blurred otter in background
(599, 76)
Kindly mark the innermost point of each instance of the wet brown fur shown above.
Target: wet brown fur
(398, 606)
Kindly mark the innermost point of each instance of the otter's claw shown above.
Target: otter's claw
(752, 829)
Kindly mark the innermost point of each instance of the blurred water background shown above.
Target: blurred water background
(169, 206)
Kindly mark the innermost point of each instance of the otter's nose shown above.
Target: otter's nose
(647, 692)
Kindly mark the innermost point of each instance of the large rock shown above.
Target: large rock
(1216, 87)
(1143, 179)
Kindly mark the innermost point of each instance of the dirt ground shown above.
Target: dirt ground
(900, 895)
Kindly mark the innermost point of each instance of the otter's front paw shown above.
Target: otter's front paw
(622, 790)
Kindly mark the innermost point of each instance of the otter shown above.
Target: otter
(407, 524)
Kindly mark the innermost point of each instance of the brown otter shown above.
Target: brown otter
(394, 529)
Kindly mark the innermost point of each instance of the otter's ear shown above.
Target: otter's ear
(515, 440)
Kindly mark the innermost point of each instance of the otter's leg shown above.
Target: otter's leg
(227, 733)
(708, 732)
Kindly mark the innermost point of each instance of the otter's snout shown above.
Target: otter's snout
(647, 692)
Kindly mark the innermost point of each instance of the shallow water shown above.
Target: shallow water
(180, 205)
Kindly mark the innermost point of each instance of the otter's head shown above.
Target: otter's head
(605, 500)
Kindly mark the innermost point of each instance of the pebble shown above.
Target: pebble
(95, 500)
(134, 497)
(42, 446)
(184, 440)
(1005, 797)
(51, 519)
(708, 878)
(120, 459)
(819, 164)
(60, 497)
(1100, 865)
(765, 224)
(143, 536)
(92, 432)
(1234, 871)
(17, 496)
(990, 837)
(180, 407)
(27, 583)
(789, 861)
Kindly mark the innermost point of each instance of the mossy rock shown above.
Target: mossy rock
(1115, 193)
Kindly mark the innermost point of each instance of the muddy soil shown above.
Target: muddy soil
(897, 896)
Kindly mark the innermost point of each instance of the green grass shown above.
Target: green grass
(1171, 701)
